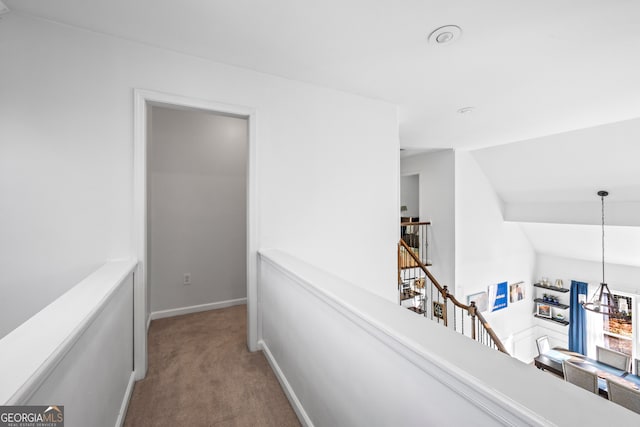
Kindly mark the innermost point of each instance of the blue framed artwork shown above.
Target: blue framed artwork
(498, 294)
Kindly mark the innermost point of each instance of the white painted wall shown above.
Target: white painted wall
(437, 204)
(198, 204)
(66, 114)
(371, 362)
(619, 277)
(578, 241)
(410, 194)
(489, 250)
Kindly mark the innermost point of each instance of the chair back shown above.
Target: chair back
(613, 358)
(581, 377)
(624, 396)
(543, 344)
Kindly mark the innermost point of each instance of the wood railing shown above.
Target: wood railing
(427, 297)
(414, 235)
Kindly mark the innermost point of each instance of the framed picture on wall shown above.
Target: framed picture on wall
(516, 292)
(544, 310)
(498, 296)
(481, 299)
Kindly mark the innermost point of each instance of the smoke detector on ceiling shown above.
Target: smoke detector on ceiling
(445, 35)
(466, 110)
(3, 8)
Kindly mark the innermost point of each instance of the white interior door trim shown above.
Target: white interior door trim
(142, 100)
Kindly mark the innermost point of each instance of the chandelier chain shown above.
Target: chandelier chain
(602, 198)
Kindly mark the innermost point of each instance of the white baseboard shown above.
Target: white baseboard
(196, 308)
(125, 401)
(291, 395)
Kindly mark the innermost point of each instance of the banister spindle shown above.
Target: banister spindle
(412, 262)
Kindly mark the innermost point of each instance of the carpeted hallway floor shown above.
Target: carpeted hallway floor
(201, 374)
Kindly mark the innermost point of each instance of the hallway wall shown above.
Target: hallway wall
(66, 156)
(197, 208)
(371, 360)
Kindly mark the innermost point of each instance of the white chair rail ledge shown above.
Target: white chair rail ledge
(348, 357)
(77, 351)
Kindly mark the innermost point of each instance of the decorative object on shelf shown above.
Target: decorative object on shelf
(548, 305)
(544, 310)
(559, 283)
(559, 304)
(603, 301)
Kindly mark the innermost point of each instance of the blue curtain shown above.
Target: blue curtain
(577, 319)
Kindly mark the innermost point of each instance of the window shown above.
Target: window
(618, 332)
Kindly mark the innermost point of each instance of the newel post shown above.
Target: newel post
(445, 296)
(472, 313)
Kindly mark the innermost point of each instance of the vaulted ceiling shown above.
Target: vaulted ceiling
(550, 186)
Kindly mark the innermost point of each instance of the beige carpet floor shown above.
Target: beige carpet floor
(201, 374)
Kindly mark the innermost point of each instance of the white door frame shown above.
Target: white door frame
(142, 100)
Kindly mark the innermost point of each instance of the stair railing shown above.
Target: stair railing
(432, 300)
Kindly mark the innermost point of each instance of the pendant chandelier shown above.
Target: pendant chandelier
(603, 301)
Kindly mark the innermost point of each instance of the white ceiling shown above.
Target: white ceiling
(529, 68)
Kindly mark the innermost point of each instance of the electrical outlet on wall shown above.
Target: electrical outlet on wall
(187, 279)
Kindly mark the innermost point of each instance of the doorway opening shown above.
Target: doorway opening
(187, 199)
(196, 210)
(410, 198)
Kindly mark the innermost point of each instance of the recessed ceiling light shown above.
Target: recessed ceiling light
(465, 110)
(445, 35)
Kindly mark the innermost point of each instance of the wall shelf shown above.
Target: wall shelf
(551, 288)
(555, 306)
(561, 322)
(416, 310)
(541, 301)
(409, 294)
